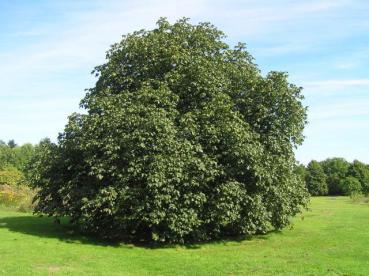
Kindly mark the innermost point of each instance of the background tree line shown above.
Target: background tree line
(14, 161)
(335, 176)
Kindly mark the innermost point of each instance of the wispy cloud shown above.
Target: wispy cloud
(88, 34)
(50, 71)
(358, 108)
(335, 84)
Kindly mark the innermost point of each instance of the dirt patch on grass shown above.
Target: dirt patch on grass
(52, 269)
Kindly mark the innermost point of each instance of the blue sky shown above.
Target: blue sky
(48, 49)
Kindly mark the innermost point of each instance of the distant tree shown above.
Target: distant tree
(41, 158)
(300, 170)
(335, 170)
(12, 144)
(360, 171)
(23, 155)
(350, 185)
(316, 179)
(16, 157)
(183, 139)
(6, 156)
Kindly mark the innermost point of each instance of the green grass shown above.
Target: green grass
(331, 239)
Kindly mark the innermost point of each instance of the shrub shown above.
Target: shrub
(11, 176)
(19, 197)
(359, 198)
(183, 139)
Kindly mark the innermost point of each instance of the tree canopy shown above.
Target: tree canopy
(350, 185)
(360, 171)
(12, 155)
(183, 139)
(316, 179)
(335, 170)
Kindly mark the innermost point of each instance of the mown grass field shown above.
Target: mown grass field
(330, 239)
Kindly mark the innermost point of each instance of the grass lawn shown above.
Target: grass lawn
(331, 239)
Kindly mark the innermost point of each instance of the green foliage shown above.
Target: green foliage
(316, 179)
(335, 170)
(23, 155)
(16, 156)
(6, 155)
(361, 172)
(350, 185)
(11, 176)
(300, 170)
(11, 144)
(183, 139)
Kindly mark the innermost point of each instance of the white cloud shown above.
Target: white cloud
(334, 85)
(341, 110)
(353, 59)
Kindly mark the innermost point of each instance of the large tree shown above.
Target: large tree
(183, 139)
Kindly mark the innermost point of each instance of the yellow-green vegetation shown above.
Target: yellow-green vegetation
(11, 176)
(14, 188)
(16, 196)
(330, 239)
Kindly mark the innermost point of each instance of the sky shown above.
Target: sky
(49, 48)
